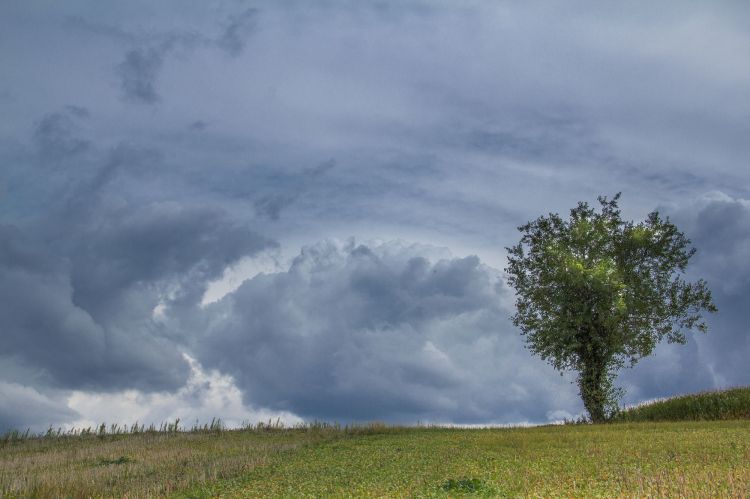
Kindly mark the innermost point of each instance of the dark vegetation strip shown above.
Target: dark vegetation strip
(728, 404)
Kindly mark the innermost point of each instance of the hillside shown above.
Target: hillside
(706, 406)
(692, 459)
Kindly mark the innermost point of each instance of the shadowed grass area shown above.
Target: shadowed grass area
(144, 463)
(707, 406)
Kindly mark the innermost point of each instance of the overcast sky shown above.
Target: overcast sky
(299, 209)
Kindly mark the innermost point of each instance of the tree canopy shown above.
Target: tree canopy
(596, 293)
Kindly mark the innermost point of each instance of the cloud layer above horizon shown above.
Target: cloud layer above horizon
(283, 209)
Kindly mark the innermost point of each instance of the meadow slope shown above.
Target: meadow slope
(733, 403)
(691, 459)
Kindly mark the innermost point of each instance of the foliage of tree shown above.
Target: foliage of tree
(596, 293)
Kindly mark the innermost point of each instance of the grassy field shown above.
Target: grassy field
(707, 406)
(140, 464)
(705, 459)
(688, 459)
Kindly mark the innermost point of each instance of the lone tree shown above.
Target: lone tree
(595, 293)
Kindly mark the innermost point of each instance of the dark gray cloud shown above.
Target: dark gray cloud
(271, 205)
(719, 227)
(140, 246)
(138, 73)
(151, 150)
(81, 282)
(42, 325)
(236, 30)
(83, 313)
(56, 135)
(358, 332)
(22, 408)
(140, 69)
(81, 309)
(198, 125)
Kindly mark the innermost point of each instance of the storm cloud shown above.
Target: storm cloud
(380, 332)
(236, 30)
(270, 205)
(55, 134)
(138, 74)
(154, 158)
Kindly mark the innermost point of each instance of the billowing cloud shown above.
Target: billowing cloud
(719, 228)
(41, 324)
(24, 408)
(79, 285)
(153, 244)
(47, 330)
(358, 332)
(86, 315)
(155, 157)
(205, 396)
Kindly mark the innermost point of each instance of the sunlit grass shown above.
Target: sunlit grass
(675, 459)
(665, 459)
(693, 459)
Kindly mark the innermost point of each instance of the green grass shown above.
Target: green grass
(689, 459)
(643, 458)
(707, 406)
(141, 463)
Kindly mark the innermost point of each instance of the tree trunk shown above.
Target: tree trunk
(591, 381)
